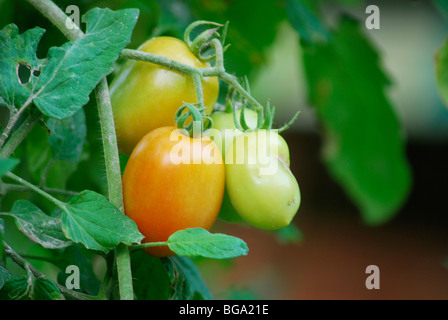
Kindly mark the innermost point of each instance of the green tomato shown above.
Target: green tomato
(224, 122)
(260, 185)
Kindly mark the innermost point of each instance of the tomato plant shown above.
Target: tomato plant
(164, 195)
(145, 96)
(100, 162)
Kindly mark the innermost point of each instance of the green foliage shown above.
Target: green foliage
(92, 220)
(364, 147)
(38, 226)
(200, 242)
(15, 48)
(442, 71)
(67, 136)
(186, 280)
(364, 144)
(7, 165)
(29, 288)
(308, 25)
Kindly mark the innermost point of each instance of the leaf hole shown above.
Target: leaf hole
(23, 72)
(36, 73)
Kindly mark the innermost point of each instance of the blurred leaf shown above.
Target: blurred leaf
(252, 29)
(2, 231)
(123, 161)
(186, 279)
(200, 242)
(150, 277)
(29, 288)
(41, 164)
(5, 275)
(175, 17)
(37, 226)
(364, 147)
(92, 220)
(227, 212)
(45, 289)
(7, 165)
(289, 234)
(442, 5)
(18, 51)
(79, 256)
(442, 71)
(308, 25)
(17, 288)
(68, 136)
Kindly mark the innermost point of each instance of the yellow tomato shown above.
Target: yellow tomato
(146, 96)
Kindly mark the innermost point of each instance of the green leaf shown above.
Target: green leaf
(5, 275)
(45, 289)
(2, 231)
(7, 165)
(43, 167)
(37, 226)
(227, 212)
(74, 69)
(442, 71)
(150, 277)
(186, 280)
(92, 220)
(79, 256)
(17, 288)
(29, 288)
(442, 5)
(68, 136)
(364, 147)
(200, 242)
(289, 234)
(308, 25)
(252, 29)
(17, 52)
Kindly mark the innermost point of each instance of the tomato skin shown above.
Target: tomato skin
(266, 199)
(145, 96)
(163, 197)
(223, 121)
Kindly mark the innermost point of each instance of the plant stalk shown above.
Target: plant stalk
(59, 18)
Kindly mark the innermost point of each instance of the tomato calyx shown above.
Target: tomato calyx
(200, 120)
(205, 45)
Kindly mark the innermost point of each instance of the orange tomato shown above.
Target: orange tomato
(172, 182)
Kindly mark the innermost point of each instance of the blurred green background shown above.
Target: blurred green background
(269, 39)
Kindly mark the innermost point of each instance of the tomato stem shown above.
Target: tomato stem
(52, 12)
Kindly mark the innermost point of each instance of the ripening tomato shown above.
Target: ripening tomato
(260, 185)
(172, 182)
(145, 96)
(224, 122)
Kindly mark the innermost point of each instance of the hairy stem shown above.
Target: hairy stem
(14, 117)
(8, 187)
(17, 137)
(59, 18)
(34, 188)
(114, 183)
(53, 13)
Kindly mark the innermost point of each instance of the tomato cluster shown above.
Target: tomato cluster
(173, 181)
